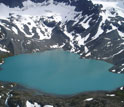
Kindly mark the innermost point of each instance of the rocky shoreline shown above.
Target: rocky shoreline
(14, 95)
(19, 95)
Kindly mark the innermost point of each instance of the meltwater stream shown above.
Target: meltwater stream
(60, 72)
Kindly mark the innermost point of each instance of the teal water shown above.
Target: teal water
(60, 72)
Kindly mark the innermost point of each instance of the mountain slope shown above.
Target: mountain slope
(90, 30)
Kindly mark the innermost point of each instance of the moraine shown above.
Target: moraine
(60, 72)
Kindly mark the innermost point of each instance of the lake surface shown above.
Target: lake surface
(60, 72)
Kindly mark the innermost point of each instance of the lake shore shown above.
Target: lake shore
(19, 95)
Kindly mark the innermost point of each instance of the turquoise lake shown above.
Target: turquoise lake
(60, 72)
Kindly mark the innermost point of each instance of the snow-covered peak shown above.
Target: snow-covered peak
(109, 5)
(37, 16)
(111, 9)
(61, 11)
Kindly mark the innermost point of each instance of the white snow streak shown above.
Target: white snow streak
(28, 104)
(88, 99)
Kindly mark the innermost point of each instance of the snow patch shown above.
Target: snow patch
(88, 54)
(28, 104)
(122, 88)
(4, 50)
(110, 95)
(54, 46)
(2, 86)
(48, 106)
(88, 99)
(113, 70)
(86, 49)
(15, 30)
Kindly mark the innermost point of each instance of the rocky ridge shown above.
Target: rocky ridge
(91, 31)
